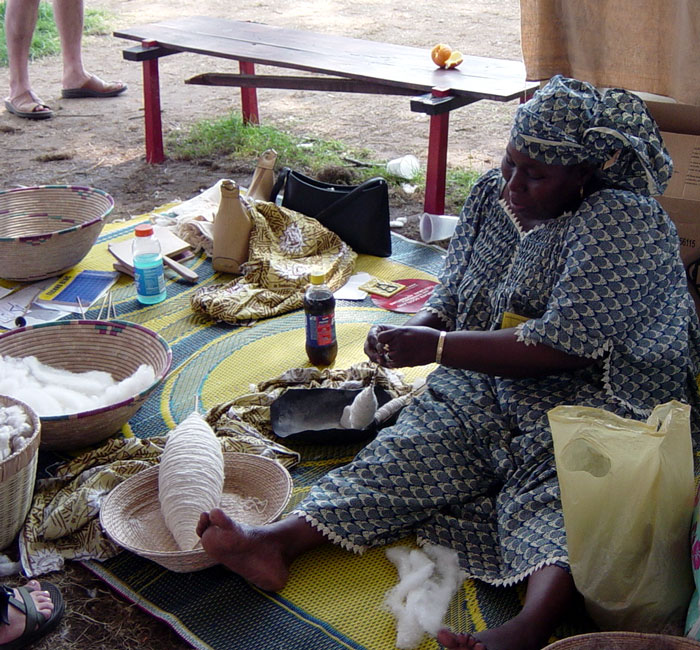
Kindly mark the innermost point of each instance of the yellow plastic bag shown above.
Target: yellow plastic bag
(627, 493)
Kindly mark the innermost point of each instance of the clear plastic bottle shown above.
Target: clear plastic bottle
(319, 305)
(148, 266)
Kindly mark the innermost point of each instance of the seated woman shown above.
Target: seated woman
(563, 284)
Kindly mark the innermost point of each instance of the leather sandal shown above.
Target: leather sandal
(30, 109)
(95, 87)
(35, 625)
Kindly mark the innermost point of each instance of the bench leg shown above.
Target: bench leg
(151, 104)
(249, 97)
(436, 171)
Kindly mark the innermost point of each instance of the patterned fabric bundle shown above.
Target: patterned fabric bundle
(285, 247)
(569, 121)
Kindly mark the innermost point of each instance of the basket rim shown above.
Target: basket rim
(54, 233)
(111, 407)
(620, 635)
(145, 475)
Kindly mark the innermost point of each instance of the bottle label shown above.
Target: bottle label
(150, 281)
(320, 330)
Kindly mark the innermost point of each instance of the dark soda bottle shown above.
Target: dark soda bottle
(319, 305)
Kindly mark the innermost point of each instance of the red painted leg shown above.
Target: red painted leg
(436, 171)
(249, 97)
(151, 104)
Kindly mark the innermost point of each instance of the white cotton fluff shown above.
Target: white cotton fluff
(428, 579)
(15, 430)
(360, 413)
(190, 478)
(53, 391)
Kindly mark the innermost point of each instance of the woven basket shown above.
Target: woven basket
(47, 230)
(116, 347)
(624, 641)
(17, 475)
(131, 515)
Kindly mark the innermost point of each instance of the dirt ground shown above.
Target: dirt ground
(100, 142)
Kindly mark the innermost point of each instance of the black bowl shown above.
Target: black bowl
(313, 415)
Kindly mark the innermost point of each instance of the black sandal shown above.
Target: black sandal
(35, 625)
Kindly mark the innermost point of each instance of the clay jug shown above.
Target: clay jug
(232, 226)
(263, 177)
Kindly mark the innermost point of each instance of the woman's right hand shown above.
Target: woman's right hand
(401, 347)
(373, 348)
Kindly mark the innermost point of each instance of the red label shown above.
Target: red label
(320, 330)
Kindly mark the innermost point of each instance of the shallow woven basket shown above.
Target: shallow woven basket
(48, 229)
(116, 347)
(131, 515)
(17, 475)
(624, 641)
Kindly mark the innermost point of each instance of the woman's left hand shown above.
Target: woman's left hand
(408, 346)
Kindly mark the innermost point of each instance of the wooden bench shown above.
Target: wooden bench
(347, 65)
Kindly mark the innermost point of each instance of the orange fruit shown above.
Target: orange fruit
(454, 60)
(440, 53)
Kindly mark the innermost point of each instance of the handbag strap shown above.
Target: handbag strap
(280, 181)
(349, 196)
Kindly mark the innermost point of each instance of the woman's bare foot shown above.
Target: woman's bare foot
(454, 641)
(516, 634)
(44, 605)
(254, 553)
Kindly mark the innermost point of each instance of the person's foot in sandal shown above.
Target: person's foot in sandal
(93, 86)
(28, 106)
(27, 613)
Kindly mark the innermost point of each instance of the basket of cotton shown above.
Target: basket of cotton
(255, 491)
(48, 229)
(19, 450)
(85, 379)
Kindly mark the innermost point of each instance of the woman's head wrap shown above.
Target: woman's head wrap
(569, 121)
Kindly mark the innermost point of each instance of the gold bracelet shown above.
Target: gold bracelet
(440, 345)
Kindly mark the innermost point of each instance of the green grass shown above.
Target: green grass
(45, 41)
(227, 137)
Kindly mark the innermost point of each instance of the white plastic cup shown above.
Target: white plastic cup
(405, 167)
(434, 227)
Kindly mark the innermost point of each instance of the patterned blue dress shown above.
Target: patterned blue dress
(470, 463)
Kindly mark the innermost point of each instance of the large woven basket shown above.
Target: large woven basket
(17, 475)
(116, 347)
(256, 491)
(48, 229)
(624, 641)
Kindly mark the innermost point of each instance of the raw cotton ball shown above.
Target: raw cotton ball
(190, 478)
(363, 408)
(15, 430)
(5, 443)
(345, 417)
(54, 391)
(428, 579)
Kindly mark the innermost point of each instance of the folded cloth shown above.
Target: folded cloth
(285, 247)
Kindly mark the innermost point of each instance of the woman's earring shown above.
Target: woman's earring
(581, 191)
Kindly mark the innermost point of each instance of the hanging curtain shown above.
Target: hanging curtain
(650, 46)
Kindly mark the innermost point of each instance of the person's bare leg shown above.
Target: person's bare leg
(550, 595)
(69, 16)
(44, 606)
(260, 554)
(20, 21)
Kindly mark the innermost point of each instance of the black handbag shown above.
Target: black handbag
(358, 214)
